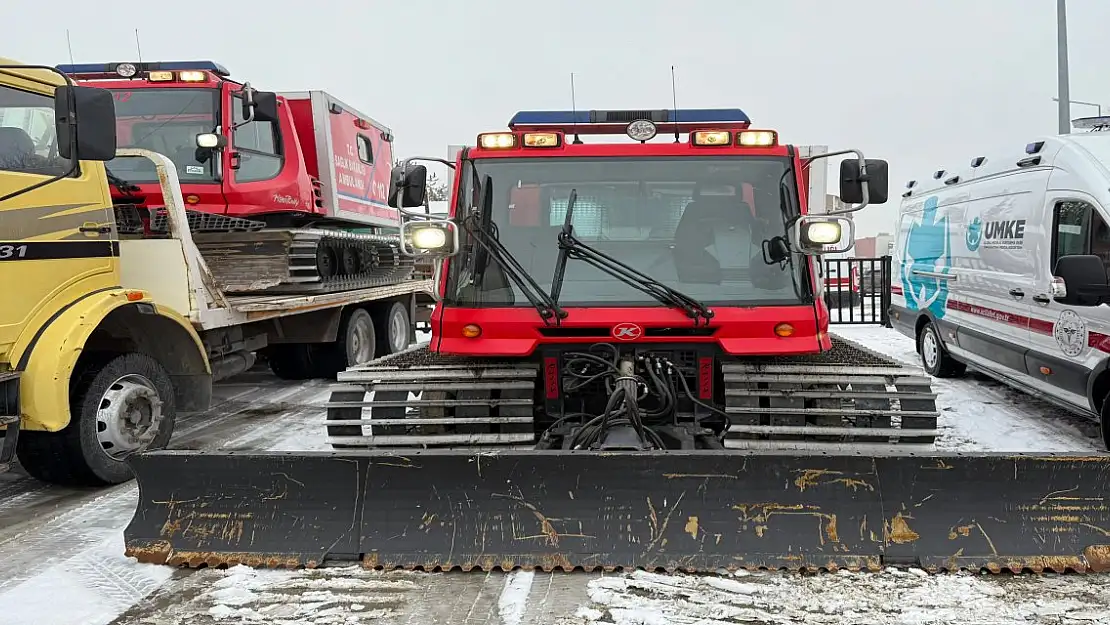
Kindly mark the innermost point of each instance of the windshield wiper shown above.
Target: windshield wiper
(543, 303)
(571, 247)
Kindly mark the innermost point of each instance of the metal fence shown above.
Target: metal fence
(857, 290)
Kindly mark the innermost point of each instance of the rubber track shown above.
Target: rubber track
(359, 261)
(417, 393)
(847, 397)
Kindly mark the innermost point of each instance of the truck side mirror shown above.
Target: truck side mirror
(265, 106)
(407, 187)
(1084, 280)
(85, 121)
(818, 234)
(851, 186)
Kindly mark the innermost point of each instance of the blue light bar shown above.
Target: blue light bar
(663, 118)
(169, 66)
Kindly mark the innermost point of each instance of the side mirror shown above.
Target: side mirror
(775, 250)
(407, 188)
(430, 239)
(211, 141)
(1080, 280)
(814, 234)
(85, 121)
(265, 106)
(851, 184)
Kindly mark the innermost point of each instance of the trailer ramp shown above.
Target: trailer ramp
(673, 511)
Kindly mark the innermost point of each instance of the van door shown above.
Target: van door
(1067, 342)
(994, 257)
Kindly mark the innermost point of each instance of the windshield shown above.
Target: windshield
(694, 224)
(166, 121)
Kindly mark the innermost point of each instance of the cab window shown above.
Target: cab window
(258, 146)
(1079, 229)
(28, 143)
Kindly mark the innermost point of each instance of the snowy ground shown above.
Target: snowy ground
(61, 549)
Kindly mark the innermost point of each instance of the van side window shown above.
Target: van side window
(1079, 229)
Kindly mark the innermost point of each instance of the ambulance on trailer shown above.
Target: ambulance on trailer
(1002, 266)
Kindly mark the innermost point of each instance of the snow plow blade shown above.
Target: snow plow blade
(680, 510)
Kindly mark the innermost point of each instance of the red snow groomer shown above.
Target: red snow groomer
(646, 309)
(275, 184)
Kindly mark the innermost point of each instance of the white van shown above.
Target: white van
(1002, 266)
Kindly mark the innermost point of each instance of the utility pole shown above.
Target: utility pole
(1064, 95)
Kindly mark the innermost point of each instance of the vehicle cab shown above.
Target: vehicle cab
(693, 226)
(235, 148)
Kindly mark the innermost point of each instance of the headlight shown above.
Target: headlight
(823, 232)
(430, 238)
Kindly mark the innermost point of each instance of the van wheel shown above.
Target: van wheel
(119, 405)
(936, 360)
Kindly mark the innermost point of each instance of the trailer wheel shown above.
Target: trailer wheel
(394, 328)
(936, 360)
(119, 405)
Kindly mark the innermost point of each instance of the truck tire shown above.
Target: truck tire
(356, 344)
(934, 358)
(394, 328)
(292, 361)
(119, 404)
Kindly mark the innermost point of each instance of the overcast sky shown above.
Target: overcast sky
(923, 84)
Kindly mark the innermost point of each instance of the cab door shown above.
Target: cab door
(1068, 341)
(57, 241)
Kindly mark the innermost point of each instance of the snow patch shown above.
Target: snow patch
(514, 598)
(878, 599)
(333, 596)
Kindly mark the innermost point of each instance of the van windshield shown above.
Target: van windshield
(166, 121)
(695, 224)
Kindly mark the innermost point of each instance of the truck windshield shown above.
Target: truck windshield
(694, 224)
(166, 121)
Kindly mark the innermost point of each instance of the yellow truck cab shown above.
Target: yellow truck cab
(90, 371)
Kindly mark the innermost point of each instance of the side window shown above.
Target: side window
(365, 150)
(258, 147)
(1079, 229)
(28, 143)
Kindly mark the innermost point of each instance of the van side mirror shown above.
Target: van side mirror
(851, 185)
(85, 121)
(1083, 278)
(408, 187)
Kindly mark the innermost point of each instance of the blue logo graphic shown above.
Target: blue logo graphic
(927, 253)
(974, 234)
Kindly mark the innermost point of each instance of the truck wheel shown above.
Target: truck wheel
(934, 357)
(291, 361)
(118, 405)
(356, 344)
(394, 329)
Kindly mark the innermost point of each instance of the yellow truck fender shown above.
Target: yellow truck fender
(114, 320)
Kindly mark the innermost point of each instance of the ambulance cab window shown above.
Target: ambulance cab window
(1080, 230)
(258, 147)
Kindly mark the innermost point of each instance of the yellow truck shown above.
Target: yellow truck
(105, 338)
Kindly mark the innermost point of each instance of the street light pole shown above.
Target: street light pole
(1094, 104)
(1064, 108)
